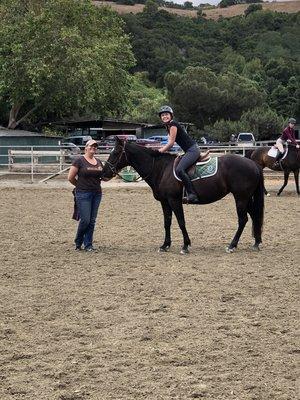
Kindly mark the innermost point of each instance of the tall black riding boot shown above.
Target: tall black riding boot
(277, 159)
(191, 197)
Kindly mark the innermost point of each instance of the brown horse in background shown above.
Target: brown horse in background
(291, 163)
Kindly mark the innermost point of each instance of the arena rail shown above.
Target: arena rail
(37, 161)
(53, 160)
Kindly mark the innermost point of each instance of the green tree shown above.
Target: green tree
(270, 45)
(293, 87)
(285, 99)
(188, 5)
(252, 8)
(254, 71)
(232, 61)
(264, 122)
(223, 129)
(227, 3)
(280, 69)
(62, 57)
(151, 7)
(202, 97)
(144, 99)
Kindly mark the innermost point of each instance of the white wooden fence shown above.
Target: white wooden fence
(36, 160)
(53, 161)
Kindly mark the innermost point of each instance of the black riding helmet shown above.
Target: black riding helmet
(165, 109)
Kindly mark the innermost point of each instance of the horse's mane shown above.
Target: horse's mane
(154, 153)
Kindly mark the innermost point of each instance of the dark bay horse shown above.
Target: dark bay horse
(291, 163)
(237, 175)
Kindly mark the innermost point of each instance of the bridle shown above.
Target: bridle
(112, 167)
(114, 171)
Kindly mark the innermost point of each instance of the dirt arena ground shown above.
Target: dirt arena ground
(130, 323)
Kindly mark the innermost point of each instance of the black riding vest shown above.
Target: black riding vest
(182, 138)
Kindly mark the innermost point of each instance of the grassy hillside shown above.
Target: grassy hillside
(283, 6)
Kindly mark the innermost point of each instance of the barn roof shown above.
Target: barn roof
(4, 132)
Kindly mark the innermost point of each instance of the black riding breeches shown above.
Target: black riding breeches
(189, 158)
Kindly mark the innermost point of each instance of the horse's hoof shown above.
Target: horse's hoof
(229, 249)
(163, 249)
(184, 251)
(255, 247)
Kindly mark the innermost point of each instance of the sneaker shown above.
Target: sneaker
(78, 248)
(91, 249)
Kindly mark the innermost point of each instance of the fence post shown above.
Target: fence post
(32, 160)
(61, 159)
(10, 160)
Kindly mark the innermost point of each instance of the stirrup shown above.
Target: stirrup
(190, 199)
(277, 164)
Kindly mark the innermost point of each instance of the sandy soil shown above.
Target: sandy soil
(130, 323)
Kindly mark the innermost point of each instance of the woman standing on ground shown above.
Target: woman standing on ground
(85, 174)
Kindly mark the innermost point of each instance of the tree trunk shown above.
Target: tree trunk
(13, 122)
(14, 111)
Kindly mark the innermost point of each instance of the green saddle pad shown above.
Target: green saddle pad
(205, 170)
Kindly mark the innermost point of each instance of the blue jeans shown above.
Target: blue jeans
(88, 204)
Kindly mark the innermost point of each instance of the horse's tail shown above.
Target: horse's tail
(256, 207)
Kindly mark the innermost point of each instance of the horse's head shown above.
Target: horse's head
(116, 160)
(292, 159)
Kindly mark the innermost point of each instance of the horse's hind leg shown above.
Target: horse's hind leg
(286, 179)
(257, 235)
(178, 211)
(241, 208)
(296, 176)
(167, 210)
(266, 192)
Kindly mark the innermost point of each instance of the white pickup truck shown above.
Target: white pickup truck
(245, 139)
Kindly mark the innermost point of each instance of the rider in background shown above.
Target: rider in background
(176, 133)
(287, 136)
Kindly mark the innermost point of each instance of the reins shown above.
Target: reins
(115, 172)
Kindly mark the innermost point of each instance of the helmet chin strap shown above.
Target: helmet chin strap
(168, 123)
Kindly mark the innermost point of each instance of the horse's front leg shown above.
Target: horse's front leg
(176, 205)
(296, 176)
(167, 210)
(286, 179)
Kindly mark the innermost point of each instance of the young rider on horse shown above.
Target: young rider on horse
(288, 135)
(176, 133)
